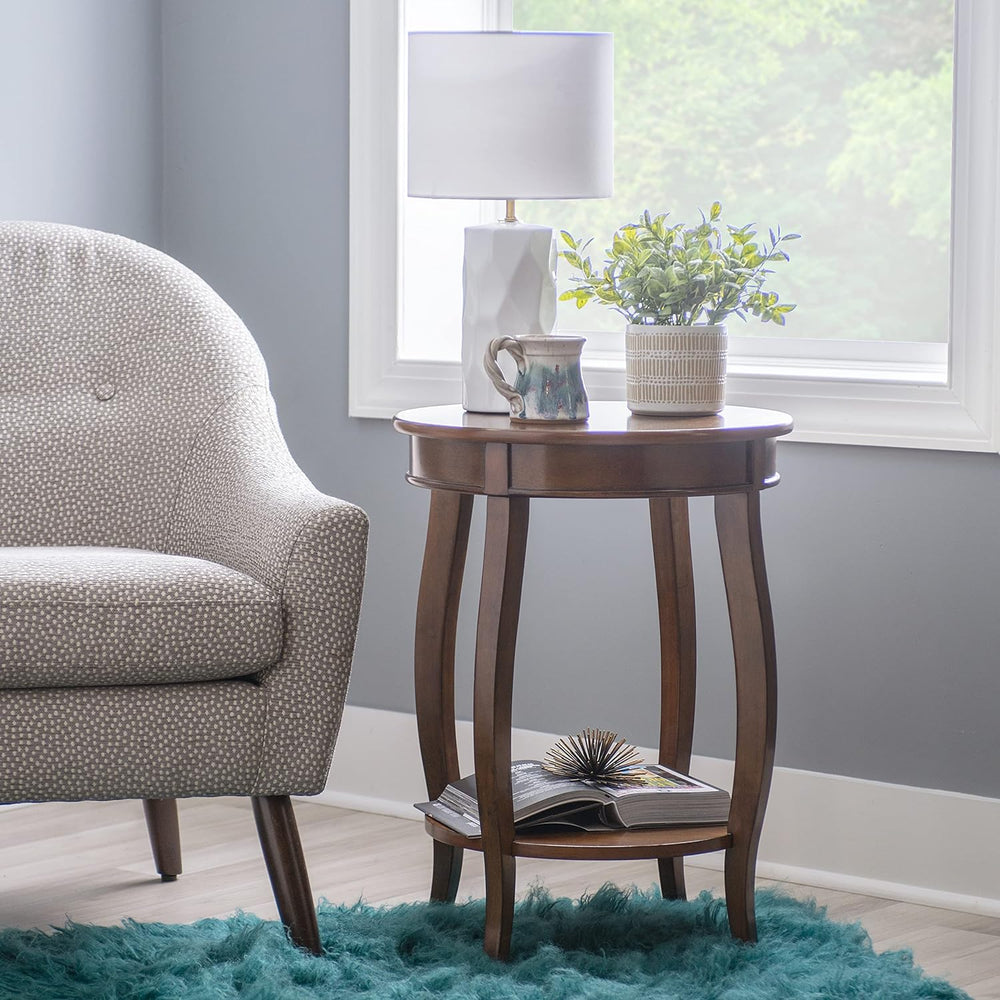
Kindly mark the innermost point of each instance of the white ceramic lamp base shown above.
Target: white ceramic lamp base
(509, 285)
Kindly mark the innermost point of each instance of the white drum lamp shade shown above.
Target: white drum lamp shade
(508, 115)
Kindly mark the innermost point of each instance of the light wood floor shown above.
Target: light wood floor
(90, 862)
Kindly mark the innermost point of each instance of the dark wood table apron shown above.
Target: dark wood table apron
(458, 455)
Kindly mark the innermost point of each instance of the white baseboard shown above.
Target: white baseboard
(869, 837)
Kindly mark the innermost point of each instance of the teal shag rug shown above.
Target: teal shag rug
(613, 945)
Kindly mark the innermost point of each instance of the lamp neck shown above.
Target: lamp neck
(510, 216)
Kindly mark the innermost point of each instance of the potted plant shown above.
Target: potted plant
(676, 286)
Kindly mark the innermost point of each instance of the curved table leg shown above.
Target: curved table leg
(668, 518)
(434, 663)
(737, 518)
(499, 607)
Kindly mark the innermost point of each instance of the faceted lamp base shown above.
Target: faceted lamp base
(510, 289)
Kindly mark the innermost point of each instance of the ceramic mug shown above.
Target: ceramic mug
(549, 383)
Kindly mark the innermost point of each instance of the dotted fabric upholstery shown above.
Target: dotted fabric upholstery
(245, 504)
(135, 413)
(75, 616)
(161, 741)
(112, 357)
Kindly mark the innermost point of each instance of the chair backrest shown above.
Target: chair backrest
(112, 356)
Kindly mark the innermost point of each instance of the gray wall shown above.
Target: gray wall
(883, 563)
(80, 114)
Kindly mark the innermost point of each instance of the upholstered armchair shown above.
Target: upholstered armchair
(178, 605)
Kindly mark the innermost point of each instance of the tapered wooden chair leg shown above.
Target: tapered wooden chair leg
(286, 867)
(164, 836)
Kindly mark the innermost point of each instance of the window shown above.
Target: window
(838, 122)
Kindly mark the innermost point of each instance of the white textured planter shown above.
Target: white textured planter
(679, 370)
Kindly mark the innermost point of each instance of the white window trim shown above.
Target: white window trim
(886, 404)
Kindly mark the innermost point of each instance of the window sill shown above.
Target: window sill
(874, 412)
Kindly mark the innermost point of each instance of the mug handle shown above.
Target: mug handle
(516, 351)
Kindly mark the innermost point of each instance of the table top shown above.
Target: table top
(610, 423)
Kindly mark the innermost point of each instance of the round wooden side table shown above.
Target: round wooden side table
(459, 455)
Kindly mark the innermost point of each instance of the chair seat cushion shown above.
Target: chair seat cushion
(80, 616)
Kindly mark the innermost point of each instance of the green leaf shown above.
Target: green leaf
(655, 273)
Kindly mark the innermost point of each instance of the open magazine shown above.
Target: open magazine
(661, 797)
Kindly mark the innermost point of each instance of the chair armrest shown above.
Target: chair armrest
(243, 502)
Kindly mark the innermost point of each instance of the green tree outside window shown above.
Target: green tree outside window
(833, 116)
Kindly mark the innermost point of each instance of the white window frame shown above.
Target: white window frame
(893, 397)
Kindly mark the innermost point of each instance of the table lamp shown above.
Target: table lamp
(505, 115)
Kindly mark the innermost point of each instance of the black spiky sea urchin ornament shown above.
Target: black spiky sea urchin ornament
(595, 754)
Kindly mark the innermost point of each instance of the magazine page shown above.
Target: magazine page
(461, 795)
(656, 776)
(462, 822)
(566, 818)
(534, 789)
(667, 797)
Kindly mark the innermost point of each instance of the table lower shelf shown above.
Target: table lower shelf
(610, 845)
